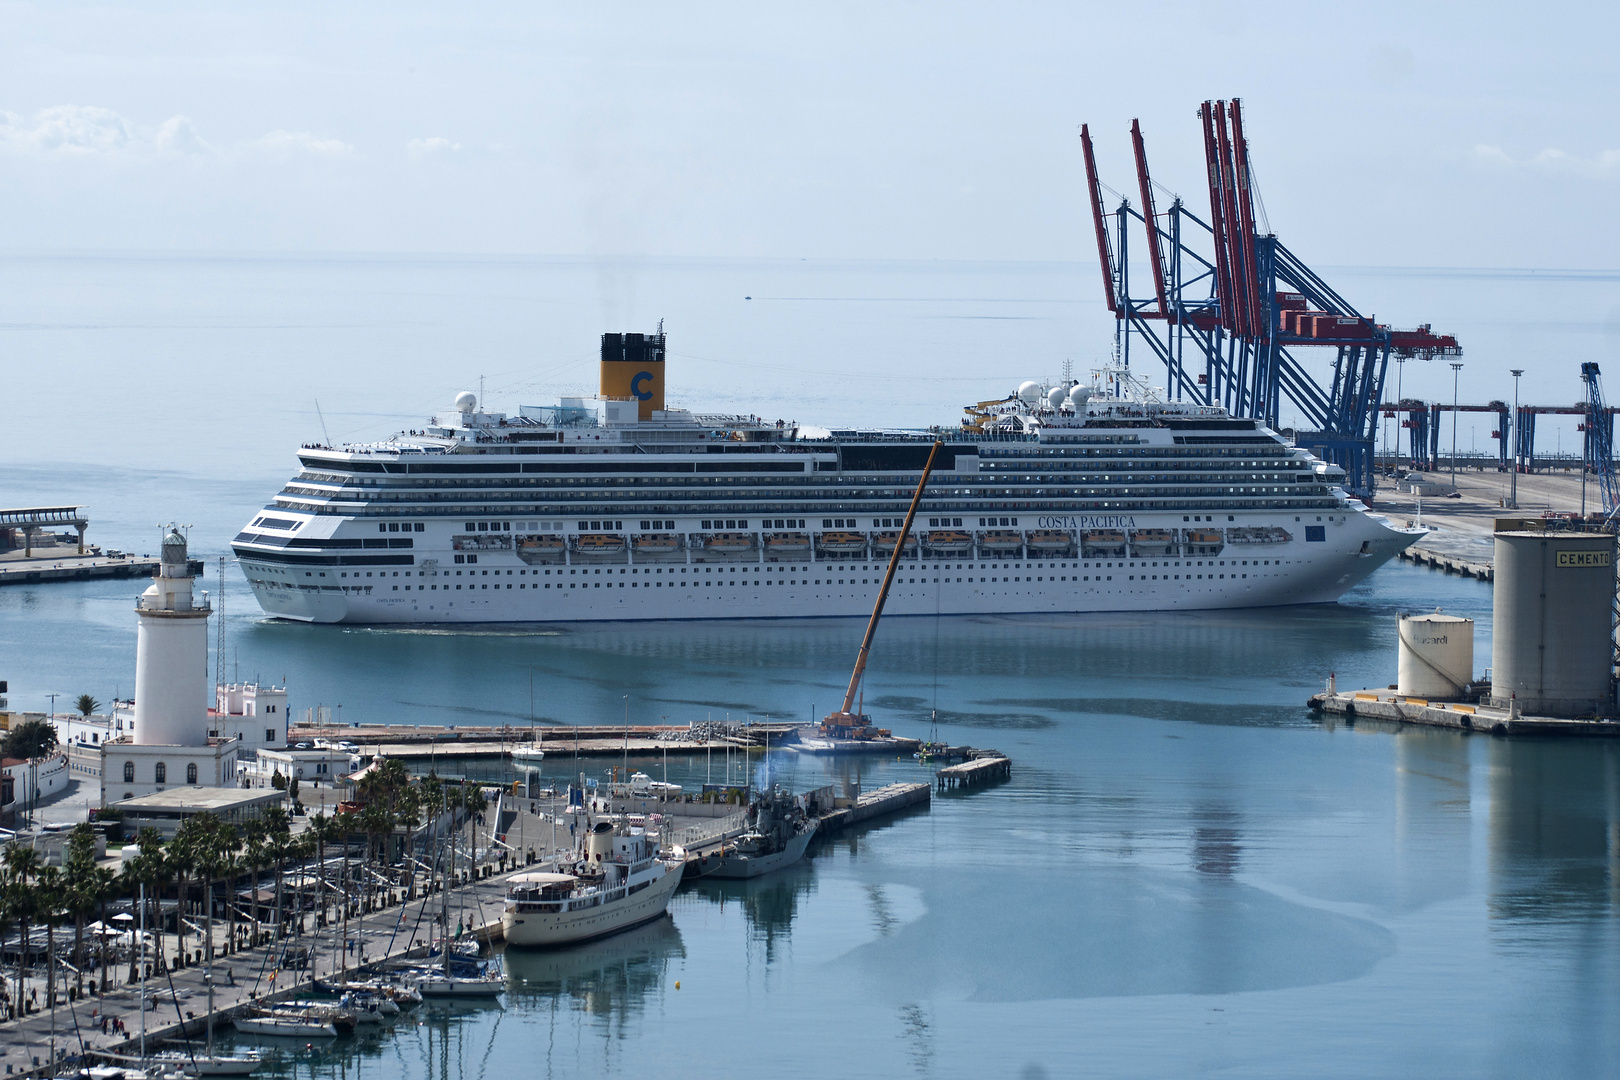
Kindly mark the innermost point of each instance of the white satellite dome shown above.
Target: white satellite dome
(1079, 395)
(466, 401)
(1029, 392)
(1055, 396)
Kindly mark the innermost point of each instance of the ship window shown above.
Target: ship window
(472, 526)
(506, 526)
(461, 558)
(421, 527)
(472, 558)
(381, 527)
(394, 527)
(826, 523)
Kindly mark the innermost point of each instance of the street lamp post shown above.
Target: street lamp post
(1456, 369)
(1513, 498)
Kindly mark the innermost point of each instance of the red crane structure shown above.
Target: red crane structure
(1231, 305)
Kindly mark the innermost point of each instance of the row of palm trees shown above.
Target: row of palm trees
(202, 868)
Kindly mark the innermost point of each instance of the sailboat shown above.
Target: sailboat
(461, 974)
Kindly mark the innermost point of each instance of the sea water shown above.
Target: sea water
(1187, 874)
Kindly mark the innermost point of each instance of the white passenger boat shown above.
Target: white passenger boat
(628, 510)
(617, 881)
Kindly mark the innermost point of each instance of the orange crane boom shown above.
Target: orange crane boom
(844, 718)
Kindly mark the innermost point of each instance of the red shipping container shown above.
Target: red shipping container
(1291, 301)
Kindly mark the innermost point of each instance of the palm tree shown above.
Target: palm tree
(150, 868)
(22, 865)
(255, 858)
(86, 704)
(82, 892)
(48, 892)
(277, 829)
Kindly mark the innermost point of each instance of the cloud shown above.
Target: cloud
(91, 131)
(66, 130)
(288, 143)
(1606, 163)
(422, 149)
(178, 135)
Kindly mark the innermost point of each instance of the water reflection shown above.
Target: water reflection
(981, 672)
(1555, 829)
(609, 979)
(769, 904)
(1215, 847)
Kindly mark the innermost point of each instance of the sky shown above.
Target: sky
(1402, 134)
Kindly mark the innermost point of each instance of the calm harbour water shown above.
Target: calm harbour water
(1187, 874)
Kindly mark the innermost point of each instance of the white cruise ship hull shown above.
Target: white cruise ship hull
(542, 930)
(504, 589)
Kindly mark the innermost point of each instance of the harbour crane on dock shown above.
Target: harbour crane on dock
(1599, 428)
(1228, 312)
(851, 721)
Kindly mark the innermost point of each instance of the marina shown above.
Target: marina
(1031, 612)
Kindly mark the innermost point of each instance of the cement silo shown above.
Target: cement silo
(1553, 622)
(1436, 656)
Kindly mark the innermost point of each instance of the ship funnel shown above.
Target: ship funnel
(599, 843)
(633, 367)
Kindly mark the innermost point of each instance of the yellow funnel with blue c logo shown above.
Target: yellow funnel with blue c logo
(633, 367)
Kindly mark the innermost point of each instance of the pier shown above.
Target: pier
(1451, 564)
(427, 742)
(30, 552)
(983, 767)
(1460, 715)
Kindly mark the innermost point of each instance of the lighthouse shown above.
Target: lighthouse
(174, 744)
(171, 655)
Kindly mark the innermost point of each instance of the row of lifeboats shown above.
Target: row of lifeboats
(1098, 543)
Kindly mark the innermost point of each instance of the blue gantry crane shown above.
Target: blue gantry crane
(1599, 441)
(1232, 304)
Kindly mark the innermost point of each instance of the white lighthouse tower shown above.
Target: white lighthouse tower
(173, 745)
(171, 655)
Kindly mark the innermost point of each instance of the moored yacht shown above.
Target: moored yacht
(617, 881)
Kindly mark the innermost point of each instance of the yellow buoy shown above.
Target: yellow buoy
(677, 984)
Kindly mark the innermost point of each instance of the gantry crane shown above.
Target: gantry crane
(1228, 312)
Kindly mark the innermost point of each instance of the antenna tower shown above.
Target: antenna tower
(219, 613)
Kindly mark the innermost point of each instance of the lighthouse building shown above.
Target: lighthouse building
(174, 742)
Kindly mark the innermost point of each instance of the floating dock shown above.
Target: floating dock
(1460, 715)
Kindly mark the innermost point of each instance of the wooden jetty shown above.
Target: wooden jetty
(1399, 708)
(1451, 564)
(983, 767)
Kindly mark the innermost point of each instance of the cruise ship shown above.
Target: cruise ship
(1067, 496)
